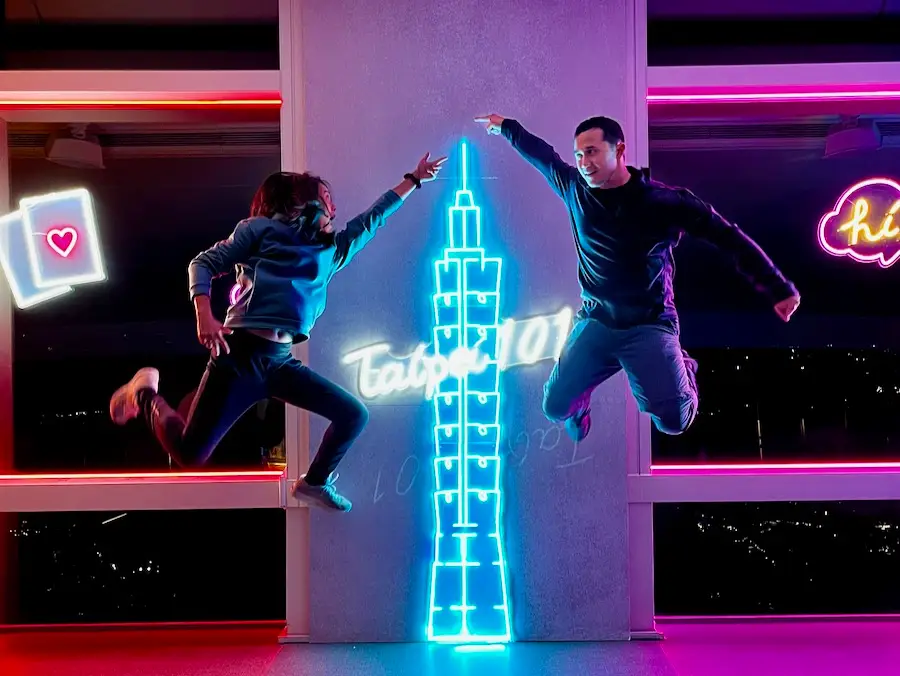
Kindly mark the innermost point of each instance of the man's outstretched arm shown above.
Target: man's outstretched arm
(700, 219)
(536, 151)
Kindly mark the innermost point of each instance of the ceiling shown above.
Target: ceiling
(251, 11)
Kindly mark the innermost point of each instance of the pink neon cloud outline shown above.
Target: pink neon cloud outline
(849, 251)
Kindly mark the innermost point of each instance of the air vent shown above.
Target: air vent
(194, 139)
(889, 128)
(133, 143)
(167, 139)
(16, 140)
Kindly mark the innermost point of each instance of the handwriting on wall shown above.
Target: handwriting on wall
(541, 448)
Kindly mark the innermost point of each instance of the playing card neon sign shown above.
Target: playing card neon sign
(50, 245)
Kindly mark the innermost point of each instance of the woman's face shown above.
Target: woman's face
(326, 219)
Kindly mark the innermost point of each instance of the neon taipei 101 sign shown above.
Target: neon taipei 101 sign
(468, 596)
(460, 373)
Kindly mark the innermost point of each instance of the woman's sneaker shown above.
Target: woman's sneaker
(321, 496)
(123, 405)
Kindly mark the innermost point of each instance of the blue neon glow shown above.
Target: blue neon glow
(468, 600)
(480, 648)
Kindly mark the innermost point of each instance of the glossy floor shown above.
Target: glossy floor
(794, 648)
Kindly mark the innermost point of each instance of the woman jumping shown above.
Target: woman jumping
(286, 253)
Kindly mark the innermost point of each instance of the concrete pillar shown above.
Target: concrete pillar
(293, 158)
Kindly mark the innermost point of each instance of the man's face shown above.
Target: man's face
(326, 220)
(596, 158)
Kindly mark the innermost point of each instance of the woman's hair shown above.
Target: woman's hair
(286, 193)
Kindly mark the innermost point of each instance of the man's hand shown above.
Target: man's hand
(787, 307)
(492, 123)
(428, 169)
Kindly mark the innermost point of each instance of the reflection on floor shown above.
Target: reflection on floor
(829, 648)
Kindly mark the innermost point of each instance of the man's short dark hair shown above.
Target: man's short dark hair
(612, 130)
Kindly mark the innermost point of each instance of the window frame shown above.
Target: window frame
(142, 96)
(676, 93)
(147, 97)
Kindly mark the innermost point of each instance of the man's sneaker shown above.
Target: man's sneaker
(123, 405)
(578, 426)
(321, 496)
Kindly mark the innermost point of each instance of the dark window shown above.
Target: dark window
(206, 35)
(791, 404)
(799, 34)
(824, 386)
(154, 215)
(150, 566)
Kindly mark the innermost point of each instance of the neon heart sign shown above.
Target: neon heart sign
(862, 223)
(62, 240)
(49, 245)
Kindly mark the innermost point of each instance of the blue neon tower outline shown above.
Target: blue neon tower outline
(468, 599)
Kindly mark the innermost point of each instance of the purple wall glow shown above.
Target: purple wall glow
(384, 84)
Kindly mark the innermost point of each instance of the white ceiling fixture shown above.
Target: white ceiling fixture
(75, 147)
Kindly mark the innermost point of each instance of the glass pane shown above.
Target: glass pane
(679, 35)
(154, 214)
(777, 558)
(833, 405)
(150, 566)
(824, 386)
(778, 197)
(200, 35)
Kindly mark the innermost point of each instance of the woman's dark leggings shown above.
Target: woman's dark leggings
(256, 369)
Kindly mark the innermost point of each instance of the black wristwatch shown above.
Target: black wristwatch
(415, 181)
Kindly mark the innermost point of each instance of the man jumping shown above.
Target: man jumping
(626, 227)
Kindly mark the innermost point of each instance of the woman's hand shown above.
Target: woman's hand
(427, 170)
(210, 331)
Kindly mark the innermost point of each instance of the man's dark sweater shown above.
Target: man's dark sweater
(624, 238)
